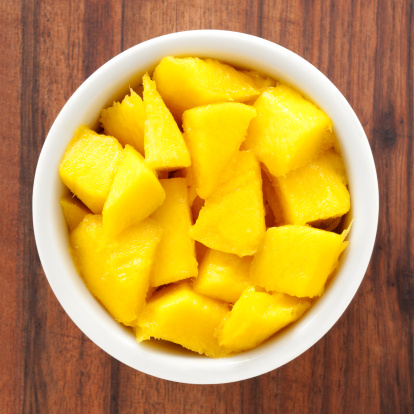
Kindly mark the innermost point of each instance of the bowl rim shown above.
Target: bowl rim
(196, 370)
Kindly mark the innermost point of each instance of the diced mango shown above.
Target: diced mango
(165, 148)
(178, 314)
(316, 191)
(213, 134)
(232, 219)
(116, 270)
(297, 260)
(260, 81)
(73, 210)
(189, 82)
(135, 194)
(223, 276)
(256, 316)
(88, 166)
(125, 121)
(289, 131)
(175, 259)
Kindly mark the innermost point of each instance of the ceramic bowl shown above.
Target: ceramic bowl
(52, 236)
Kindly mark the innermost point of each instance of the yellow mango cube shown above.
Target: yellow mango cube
(125, 121)
(232, 219)
(316, 191)
(116, 270)
(185, 83)
(297, 260)
(214, 134)
(175, 259)
(256, 316)
(259, 80)
(135, 194)
(178, 314)
(223, 276)
(165, 148)
(73, 210)
(88, 166)
(289, 131)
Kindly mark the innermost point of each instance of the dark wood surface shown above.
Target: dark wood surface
(365, 364)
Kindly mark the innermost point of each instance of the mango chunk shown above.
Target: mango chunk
(259, 80)
(135, 194)
(178, 314)
(165, 148)
(297, 260)
(116, 270)
(88, 166)
(232, 219)
(316, 191)
(214, 134)
(73, 210)
(189, 82)
(223, 276)
(125, 121)
(289, 131)
(175, 259)
(256, 316)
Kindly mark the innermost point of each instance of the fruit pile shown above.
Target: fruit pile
(205, 213)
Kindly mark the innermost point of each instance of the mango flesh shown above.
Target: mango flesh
(125, 121)
(213, 134)
(201, 177)
(259, 80)
(222, 276)
(89, 165)
(256, 316)
(190, 82)
(135, 194)
(73, 210)
(175, 259)
(288, 131)
(232, 219)
(316, 191)
(296, 260)
(165, 148)
(116, 270)
(178, 314)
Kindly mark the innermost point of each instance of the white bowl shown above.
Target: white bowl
(51, 232)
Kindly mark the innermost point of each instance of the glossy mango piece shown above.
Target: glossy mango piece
(256, 316)
(214, 134)
(314, 192)
(288, 131)
(178, 314)
(186, 83)
(125, 121)
(223, 276)
(297, 260)
(260, 80)
(232, 219)
(135, 194)
(116, 270)
(175, 259)
(89, 165)
(73, 210)
(165, 148)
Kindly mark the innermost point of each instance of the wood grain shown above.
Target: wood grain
(365, 364)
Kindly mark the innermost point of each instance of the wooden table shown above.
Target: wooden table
(365, 364)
